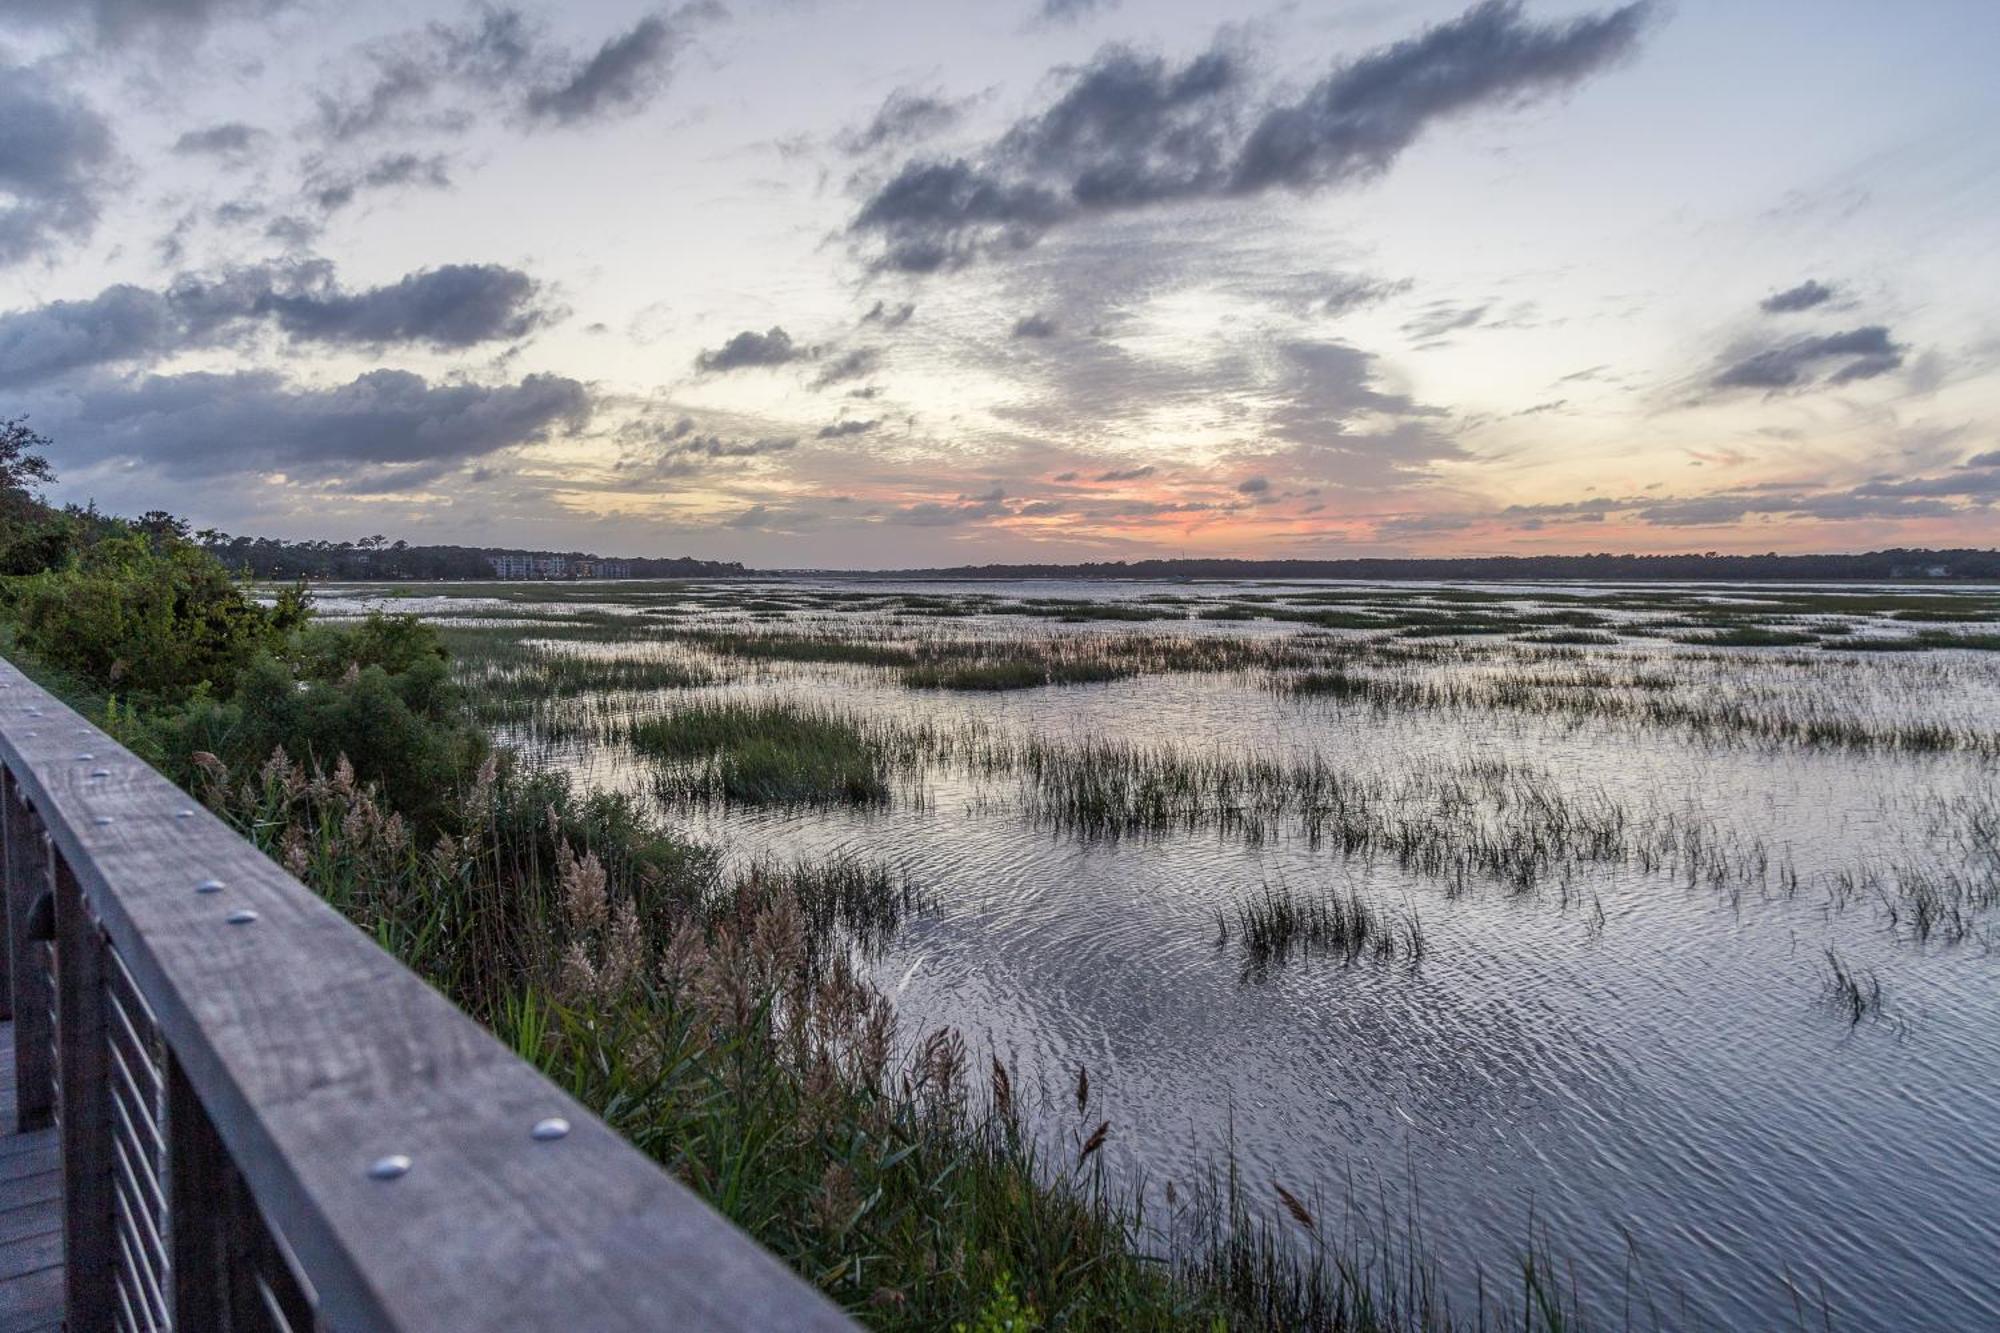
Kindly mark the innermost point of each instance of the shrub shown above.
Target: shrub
(137, 616)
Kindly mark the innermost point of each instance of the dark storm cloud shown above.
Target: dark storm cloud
(841, 430)
(1035, 326)
(257, 422)
(55, 157)
(904, 118)
(1805, 296)
(232, 139)
(1131, 131)
(459, 305)
(774, 347)
(1865, 353)
(625, 74)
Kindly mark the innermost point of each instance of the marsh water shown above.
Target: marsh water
(1642, 1065)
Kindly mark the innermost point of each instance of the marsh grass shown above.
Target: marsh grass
(761, 754)
(1854, 993)
(1277, 922)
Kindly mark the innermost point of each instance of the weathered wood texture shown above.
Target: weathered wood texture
(313, 1054)
(31, 1272)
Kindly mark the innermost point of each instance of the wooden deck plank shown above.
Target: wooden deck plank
(31, 1272)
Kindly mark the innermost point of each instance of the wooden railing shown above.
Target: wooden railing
(267, 1122)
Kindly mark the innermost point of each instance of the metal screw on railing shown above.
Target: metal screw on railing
(100, 772)
(209, 886)
(85, 757)
(555, 1127)
(391, 1167)
(242, 916)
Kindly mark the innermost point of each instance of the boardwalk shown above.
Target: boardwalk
(31, 1285)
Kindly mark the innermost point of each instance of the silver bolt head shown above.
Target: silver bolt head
(242, 916)
(555, 1127)
(85, 757)
(183, 814)
(392, 1167)
(101, 820)
(100, 772)
(209, 886)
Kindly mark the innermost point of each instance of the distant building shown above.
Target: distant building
(529, 566)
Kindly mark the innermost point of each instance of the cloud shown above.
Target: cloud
(458, 305)
(432, 78)
(1132, 132)
(1805, 296)
(888, 316)
(1035, 326)
(231, 141)
(1253, 486)
(333, 191)
(114, 22)
(1123, 474)
(120, 323)
(1991, 458)
(1346, 292)
(774, 347)
(905, 117)
(1868, 352)
(1072, 11)
(1441, 317)
(623, 76)
(841, 430)
(256, 422)
(850, 365)
(56, 157)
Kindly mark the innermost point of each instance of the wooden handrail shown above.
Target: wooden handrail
(269, 1122)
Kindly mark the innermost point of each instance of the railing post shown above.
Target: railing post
(27, 880)
(89, 1221)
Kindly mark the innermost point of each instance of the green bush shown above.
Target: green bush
(136, 616)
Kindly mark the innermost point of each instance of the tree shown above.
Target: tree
(22, 467)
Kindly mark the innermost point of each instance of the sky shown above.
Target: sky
(844, 284)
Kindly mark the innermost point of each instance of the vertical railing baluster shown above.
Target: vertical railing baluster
(198, 1202)
(90, 1228)
(27, 879)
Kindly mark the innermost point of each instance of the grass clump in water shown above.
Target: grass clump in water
(762, 754)
(1277, 923)
(1853, 993)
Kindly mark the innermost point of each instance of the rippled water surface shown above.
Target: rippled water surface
(1646, 1072)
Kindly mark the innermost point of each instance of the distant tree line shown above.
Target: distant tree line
(379, 558)
(1873, 566)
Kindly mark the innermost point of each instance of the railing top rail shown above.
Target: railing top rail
(318, 1055)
